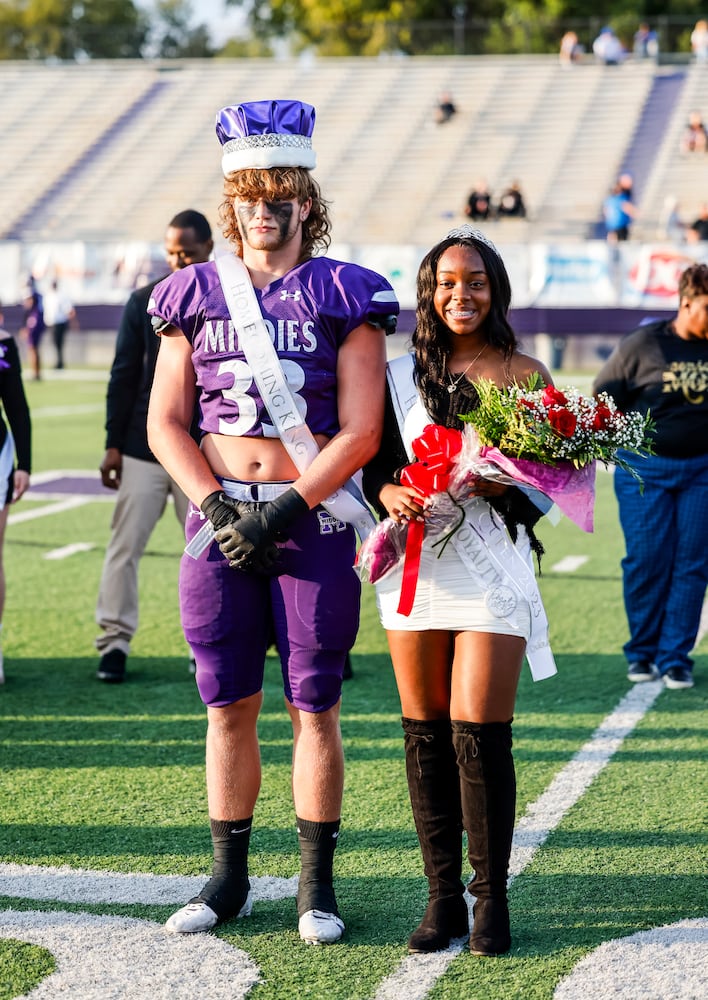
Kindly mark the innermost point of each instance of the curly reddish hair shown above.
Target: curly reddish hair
(277, 184)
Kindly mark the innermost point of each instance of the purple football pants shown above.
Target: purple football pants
(310, 609)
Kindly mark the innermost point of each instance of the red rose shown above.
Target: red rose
(562, 421)
(603, 415)
(553, 397)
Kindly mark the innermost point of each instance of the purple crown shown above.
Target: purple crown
(265, 134)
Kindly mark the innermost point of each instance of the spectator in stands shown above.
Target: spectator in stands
(626, 185)
(59, 315)
(646, 42)
(14, 441)
(444, 109)
(661, 368)
(698, 230)
(511, 203)
(128, 464)
(618, 210)
(694, 138)
(608, 48)
(479, 202)
(32, 325)
(570, 49)
(699, 41)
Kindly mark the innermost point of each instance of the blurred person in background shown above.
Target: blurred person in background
(662, 368)
(697, 232)
(645, 43)
(445, 108)
(511, 203)
(59, 315)
(32, 328)
(699, 41)
(608, 48)
(694, 138)
(570, 49)
(479, 201)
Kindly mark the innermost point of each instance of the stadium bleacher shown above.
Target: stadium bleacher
(109, 150)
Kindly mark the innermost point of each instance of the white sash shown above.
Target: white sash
(346, 503)
(483, 545)
(407, 404)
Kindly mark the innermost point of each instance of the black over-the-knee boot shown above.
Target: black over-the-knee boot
(488, 789)
(434, 788)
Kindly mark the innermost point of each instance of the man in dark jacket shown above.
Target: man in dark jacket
(128, 464)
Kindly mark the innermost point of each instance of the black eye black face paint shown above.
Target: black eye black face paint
(281, 212)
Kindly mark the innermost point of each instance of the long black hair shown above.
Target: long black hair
(431, 339)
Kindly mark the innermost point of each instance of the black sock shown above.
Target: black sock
(317, 844)
(228, 887)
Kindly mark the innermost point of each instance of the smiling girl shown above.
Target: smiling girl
(457, 656)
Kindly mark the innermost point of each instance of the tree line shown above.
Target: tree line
(76, 30)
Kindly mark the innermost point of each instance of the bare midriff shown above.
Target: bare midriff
(251, 459)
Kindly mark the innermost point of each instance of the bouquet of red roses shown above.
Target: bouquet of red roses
(544, 424)
(550, 440)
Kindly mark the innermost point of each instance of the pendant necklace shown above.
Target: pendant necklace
(456, 381)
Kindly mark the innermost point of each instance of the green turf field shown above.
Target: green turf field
(110, 779)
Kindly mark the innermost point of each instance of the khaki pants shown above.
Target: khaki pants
(142, 496)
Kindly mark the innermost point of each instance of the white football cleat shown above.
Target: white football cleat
(196, 918)
(318, 927)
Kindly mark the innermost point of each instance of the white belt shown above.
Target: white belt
(253, 492)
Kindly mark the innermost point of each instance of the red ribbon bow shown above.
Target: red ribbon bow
(436, 449)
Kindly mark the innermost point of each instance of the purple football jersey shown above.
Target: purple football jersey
(308, 314)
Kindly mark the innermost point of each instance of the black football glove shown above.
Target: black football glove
(220, 509)
(249, 543)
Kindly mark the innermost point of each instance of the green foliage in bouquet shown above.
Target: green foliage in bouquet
(544, 424)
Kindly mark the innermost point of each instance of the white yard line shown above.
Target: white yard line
(53, 508)
(68, 550)
(417, 974)
(50, 475)
(569, 564)
(41, 412)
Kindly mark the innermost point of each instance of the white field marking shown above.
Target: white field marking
(49, 475)
(670, 961)
(69, 550)
(78, 885)
(417, 974)
(116, 958)
(68, 503)
(51, 412)
(569, 564)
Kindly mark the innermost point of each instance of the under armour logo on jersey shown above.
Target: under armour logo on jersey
(285, 295)
(329, 524)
